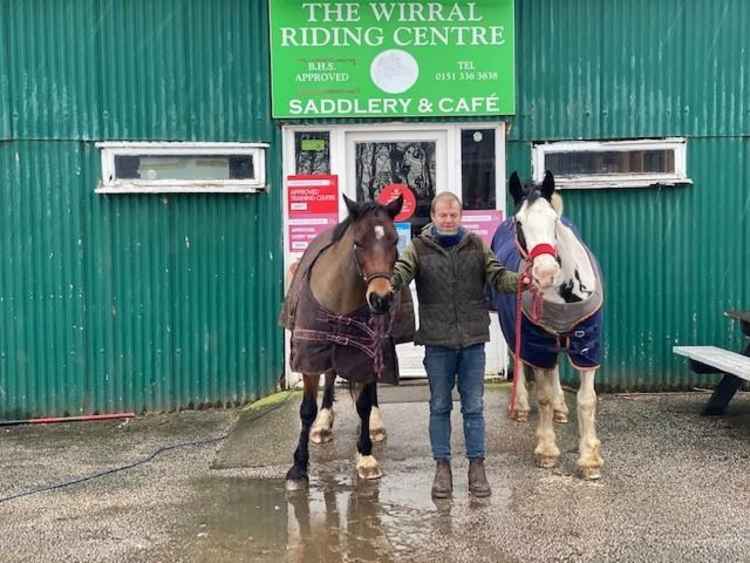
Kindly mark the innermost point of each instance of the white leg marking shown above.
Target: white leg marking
(377, 430)
(547, 453)
(589, 447)
(322, 428)
(559, 406)
(521, 412)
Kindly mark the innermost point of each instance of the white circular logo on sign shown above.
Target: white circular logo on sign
(394, 71)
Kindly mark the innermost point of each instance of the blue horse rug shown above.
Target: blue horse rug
(574, 327)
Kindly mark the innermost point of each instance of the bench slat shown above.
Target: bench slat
(725, 360)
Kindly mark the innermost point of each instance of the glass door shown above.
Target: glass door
(417, 159)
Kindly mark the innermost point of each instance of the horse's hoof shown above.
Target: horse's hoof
(369, 474)
(377, 435)
(520, 416)
(321, 436)
(560, 417)
(546, 461)
(590, 472)
(368, 468)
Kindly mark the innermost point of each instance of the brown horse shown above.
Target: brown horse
(339, 309)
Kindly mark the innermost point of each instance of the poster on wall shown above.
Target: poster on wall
(391, 192)
(404, 235)
(379, 59)
(312, 207)
(482, 222)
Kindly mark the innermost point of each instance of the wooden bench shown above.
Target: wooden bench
(711, 359)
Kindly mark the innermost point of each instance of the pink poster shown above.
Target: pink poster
(313, 207)
(483, 222)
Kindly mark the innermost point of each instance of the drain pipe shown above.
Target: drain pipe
(54, 420)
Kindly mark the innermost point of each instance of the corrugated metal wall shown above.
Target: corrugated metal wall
(4, 75)
(674, 258)
(145, 302)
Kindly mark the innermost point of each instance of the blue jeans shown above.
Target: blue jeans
(443, 365)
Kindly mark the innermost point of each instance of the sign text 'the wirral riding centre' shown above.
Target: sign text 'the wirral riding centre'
(392, 59)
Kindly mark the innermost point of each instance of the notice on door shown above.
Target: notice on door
(482, 222)
(312, 207)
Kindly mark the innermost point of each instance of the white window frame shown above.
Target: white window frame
(587, 181)
(110, 184)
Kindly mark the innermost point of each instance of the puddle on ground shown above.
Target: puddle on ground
(338, 518)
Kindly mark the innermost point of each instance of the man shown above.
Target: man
(451, 267)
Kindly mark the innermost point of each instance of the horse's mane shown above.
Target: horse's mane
(362, 210)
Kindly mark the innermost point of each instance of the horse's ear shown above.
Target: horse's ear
(351, 206)
(394, 207)
(516, 189)
(548, 185)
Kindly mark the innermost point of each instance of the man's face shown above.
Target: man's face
(447, 216)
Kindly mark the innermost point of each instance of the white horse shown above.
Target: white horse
(568, 282)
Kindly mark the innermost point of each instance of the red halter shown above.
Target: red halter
(540, 249)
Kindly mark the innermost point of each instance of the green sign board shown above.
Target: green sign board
(392, 58)
(313, 144)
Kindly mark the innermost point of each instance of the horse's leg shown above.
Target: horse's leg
(521, 411)
(296, 477)
(367, 465)
(377, 430)
(322, 429)
(559, 407)
(590, 460)
(547, 453)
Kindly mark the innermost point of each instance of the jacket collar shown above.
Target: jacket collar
(427, 237)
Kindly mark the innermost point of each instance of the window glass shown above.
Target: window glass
(625, 163)
(182, 167)
(312, 152)
(478, 168)
(611, 162)
(400, 162)
(173, 167)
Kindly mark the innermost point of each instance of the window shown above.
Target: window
(182, 167)
(312, 152)
(612, 164)
(413, 163)
(478, 168)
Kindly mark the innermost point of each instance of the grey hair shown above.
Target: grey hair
(445, 195)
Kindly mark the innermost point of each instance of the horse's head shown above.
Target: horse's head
(374, 247)
(539, 211)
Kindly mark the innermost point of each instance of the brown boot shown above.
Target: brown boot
(442, 486)
(478, 485)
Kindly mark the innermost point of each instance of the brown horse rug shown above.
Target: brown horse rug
(359, 346)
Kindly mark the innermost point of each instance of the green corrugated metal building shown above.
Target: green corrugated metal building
(163, 301)
(133, 301)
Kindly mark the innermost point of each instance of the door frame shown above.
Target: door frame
(339, 137)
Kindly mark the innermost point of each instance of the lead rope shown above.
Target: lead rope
(537, 305)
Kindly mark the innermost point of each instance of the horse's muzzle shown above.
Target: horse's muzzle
(545, 271)
(379, 304)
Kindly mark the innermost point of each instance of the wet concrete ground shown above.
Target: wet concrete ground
(674, 488)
